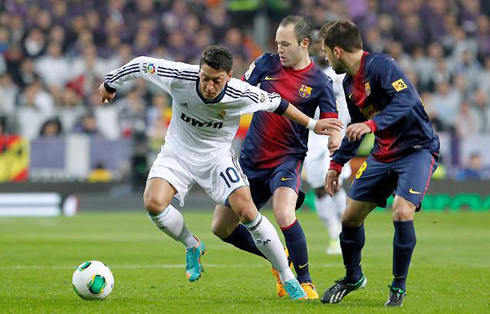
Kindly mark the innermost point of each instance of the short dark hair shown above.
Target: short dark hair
(302, 28)
(218, 58)
(342, 34)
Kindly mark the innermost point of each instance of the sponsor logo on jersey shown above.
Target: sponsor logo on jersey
(399, 85)
(271, 78)
(200, 124)
(184, 104)
(305, 91)
(368, 111)
(285, 179)
(368, 88)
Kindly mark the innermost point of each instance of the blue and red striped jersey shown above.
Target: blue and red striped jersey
(271, 138)
(383, 97)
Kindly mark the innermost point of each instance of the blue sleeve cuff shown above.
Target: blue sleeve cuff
(282, 107)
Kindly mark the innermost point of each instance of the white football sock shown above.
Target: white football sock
(172, 223)
(267, 241)
(327, 210)
(340, 200)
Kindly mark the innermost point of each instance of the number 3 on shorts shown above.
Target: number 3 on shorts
(230, 174)
(361, 170)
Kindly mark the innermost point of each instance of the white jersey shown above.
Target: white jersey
(318, 158)
(200, 130)
(318, 142)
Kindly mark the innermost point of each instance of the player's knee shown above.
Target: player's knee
(403, 214)
(218, 229)
(152, 203)
(350, 220)
(285, 218)
(403, 210)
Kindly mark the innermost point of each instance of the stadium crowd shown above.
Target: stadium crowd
(55, 53)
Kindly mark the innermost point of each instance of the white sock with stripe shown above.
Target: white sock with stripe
(172, 223)
(267, 241)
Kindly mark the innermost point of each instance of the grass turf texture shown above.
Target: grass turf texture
(450, 270)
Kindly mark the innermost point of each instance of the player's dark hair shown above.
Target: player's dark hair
(342, 34)
(218, 58)
(302, 28)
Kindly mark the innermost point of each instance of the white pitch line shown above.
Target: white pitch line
(164, 266)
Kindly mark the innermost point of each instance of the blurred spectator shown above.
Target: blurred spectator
(156, 124)
(34, 43)
(87, 125)
(53, 68)
(8, 95)
(467, 120)
(481, 108)
(474, 170)
(131, 111)
(484, 84)
(445, 105)
(51, 128)
(70, 109)
(99, 174)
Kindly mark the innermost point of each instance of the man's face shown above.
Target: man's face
(212, 81)
(288, 48)
(333, 57)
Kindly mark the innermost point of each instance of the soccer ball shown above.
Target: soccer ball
(93, 280)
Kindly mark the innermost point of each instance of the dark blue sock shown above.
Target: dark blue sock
(242, 239)
(352, 241)
(403, 246)
(298, 252)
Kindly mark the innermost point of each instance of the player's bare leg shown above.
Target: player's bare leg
(157, 197)
(266, 239)
(284, 207)
(352, 240)
(403, 245)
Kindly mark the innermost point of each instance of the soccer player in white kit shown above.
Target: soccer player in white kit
(207, 105)
(317, 162)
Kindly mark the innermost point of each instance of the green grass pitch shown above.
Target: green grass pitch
(450, 271)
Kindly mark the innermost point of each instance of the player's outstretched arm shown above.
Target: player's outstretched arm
(322, 127)
(158, 71)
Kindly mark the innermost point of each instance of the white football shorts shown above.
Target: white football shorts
(219, 178)
(317, 163)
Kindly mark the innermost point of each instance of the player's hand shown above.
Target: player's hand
(328, 126)
(105, 96)
(356, 131)
(332, 182)
(334, 142)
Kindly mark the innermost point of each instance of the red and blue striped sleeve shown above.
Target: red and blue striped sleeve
(397, 86)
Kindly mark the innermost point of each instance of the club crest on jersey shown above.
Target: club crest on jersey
(221, 115)
(368, 88)
(305, 91)
(262, 97)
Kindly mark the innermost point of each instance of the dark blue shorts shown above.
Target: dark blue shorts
(263, 182)
(407, 177)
